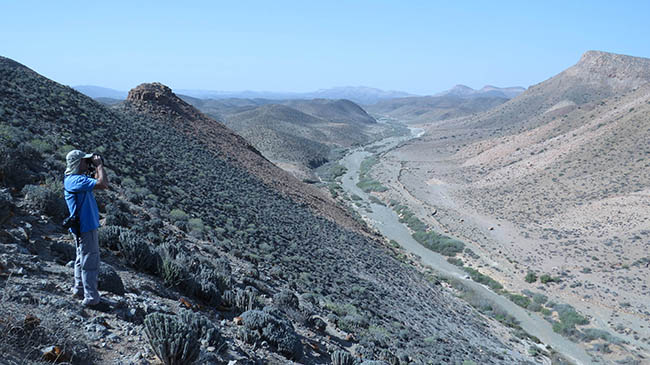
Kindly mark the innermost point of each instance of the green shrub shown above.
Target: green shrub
(338, 170)
(535, 307)
(276, 330)
(366, 183)
(483, 279)
(375, 200)
(591, 334)
(540, 298)
(46, 200)
(172, 340)
(117, 214)
(206, 331)
(172, 272)
(341, 357)
(546, 278)
(519, 300)
(137, 253)
(41, 146)
(240, 300)
(109, 236)
(439, 243)
(531, 277)
(178, 215)
(569, 316)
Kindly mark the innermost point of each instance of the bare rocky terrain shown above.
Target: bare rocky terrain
(555, 181)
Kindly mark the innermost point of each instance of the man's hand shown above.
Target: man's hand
(102, 178)
(97, 160)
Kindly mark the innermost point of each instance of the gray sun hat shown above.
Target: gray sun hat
(73, 159)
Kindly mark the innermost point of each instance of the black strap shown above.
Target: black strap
(76, 205)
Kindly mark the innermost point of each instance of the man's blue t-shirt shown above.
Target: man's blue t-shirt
(83, 186)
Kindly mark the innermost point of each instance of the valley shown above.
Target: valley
(202, 235)
(385, 220)
(550, 192)
(505, 228)
(325, 183)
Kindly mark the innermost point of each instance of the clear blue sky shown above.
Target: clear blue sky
(416, 46)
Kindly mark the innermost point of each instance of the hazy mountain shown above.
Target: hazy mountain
(508, 92)
(246, 94)
(100, 92)
(360, 94)
(456, 102)
(427, 109)
(562, 171)
(197, 218)
(486, 91)
(108, 101)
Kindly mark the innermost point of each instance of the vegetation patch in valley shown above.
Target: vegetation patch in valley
(367, 183)
(424, 235)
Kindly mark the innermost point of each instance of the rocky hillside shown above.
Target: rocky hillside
(297, 135)
(596, 76)
(205, 244)
(556, 181)
(336, 111)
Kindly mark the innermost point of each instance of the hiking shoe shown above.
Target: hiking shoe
(78, 294)
(100, 305)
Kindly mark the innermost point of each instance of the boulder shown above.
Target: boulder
(109, 280)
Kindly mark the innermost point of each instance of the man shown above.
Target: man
(81, 201)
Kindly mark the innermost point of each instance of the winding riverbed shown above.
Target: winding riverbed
(385, 220)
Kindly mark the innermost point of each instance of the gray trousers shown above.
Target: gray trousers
(86, 266)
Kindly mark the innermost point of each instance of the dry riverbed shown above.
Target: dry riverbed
(506, 252)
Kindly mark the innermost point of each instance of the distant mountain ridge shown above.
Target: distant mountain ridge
(357, 94)
(100, 92)
(486, 91)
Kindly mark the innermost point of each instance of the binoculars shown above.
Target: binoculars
(91, 166)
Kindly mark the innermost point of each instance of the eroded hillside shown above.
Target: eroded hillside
(555, 182)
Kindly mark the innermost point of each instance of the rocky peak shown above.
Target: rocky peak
(157, 99)
(629, 71)
(154, 92)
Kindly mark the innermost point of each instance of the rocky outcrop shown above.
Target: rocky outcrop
(155, 91)
(618, 71)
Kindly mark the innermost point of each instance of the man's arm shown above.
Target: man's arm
(102, 178)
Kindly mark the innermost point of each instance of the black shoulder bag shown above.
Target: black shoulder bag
(73, 221)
